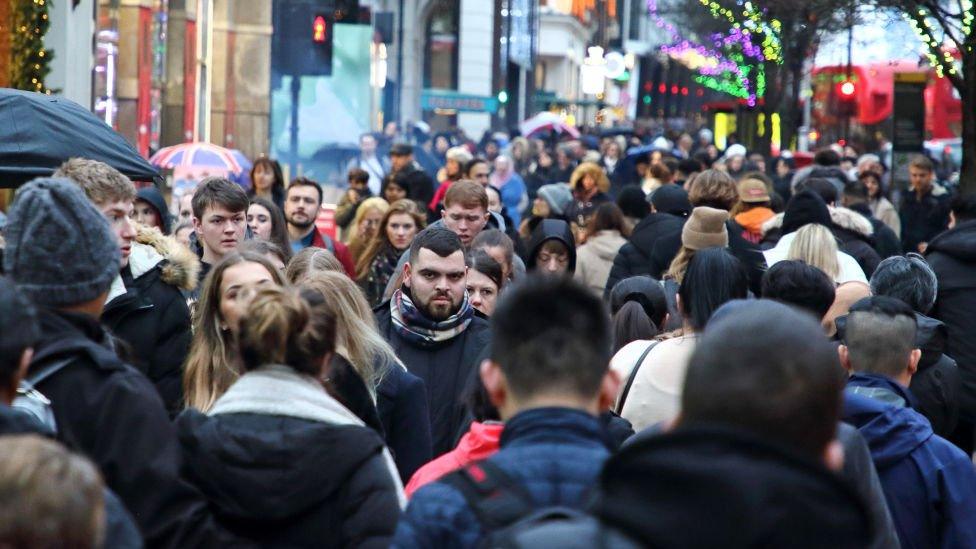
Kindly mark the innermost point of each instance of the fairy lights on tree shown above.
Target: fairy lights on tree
(30, 62)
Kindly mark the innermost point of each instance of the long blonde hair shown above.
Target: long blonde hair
(815, 245)
(356, 243)
(676, 271)
(357, 337)
(212, 365)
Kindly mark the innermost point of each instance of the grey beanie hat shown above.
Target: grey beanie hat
(60, 249)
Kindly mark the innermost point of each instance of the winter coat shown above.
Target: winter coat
(667, 247)
(854, 234)
(551, 229)
(922, 220)
(112, 414)
(655, 394)
(346, 211)
(147, 310)
(285, 465)
(420, 185)
(937, 384)
(595, 258)
(634, 257)
(579, 211)
(886, 241)
(885, 211)
(349, 388)
(751, 222)
(555, 453)
(119, 529)
(713, 486)
(480, 442)
(514, 197)
(952, 256)
(401, 400)
(444, 367)
(930, 484)
(850, 271)
(340, 250)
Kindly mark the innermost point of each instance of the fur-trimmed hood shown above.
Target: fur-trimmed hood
(150, 248)
(841, 217)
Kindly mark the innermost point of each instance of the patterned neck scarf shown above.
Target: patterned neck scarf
(411, 323)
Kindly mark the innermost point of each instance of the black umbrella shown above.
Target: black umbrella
(39, 132)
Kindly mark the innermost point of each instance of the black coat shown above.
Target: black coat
(288, 482)
(401, 400)
(110, 412)
(922, 220)
(120, 529)
(886, 242)
(936, 385)
(667, 247)
(420, 186)
(952, 256)
(635, 257)
(858, 246)
(348, 387)
(713, 487)
(444, 368)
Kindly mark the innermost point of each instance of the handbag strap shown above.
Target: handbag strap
(632, 376)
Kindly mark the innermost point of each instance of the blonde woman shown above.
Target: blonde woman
(366, 224)
(401, 397)
(378, 262)
(815, 245)
(311, 260)
(213, 363)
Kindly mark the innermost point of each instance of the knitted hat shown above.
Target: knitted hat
(804, 208)
(60, 249)
(557, 195)
(705, 229)
(752, 191)
(672, 199)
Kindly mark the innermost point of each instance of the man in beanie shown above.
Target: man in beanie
(669, 208)
(145, 307)
(62, 254)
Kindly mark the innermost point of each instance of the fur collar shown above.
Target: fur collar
(841, 217)
(151, 247)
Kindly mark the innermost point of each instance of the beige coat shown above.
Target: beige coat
(885, 212)
(655, 395)
(595, 259)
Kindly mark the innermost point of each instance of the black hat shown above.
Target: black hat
(805, 208)
(401, 149)
(672, 199)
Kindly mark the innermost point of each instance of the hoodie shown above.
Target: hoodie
(551, 229)
(952, 255)
(712, 486)
(930, 485)
(594, 259)
(154, 198)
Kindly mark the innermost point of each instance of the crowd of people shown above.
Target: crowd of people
(526, 344)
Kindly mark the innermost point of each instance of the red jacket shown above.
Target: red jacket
(341, 252)
(480, 442)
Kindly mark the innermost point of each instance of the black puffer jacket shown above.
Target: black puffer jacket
(444, 367)
(634, 258)
(288, 482)
(854, 234)
(110, 412)
(151, 315)
(936, 384)
(952, 256)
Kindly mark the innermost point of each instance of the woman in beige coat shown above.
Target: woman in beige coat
(606, 233)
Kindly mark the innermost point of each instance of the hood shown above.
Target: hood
(267, 467)
(551, 229)
(841, 217)
(931, 337)
(156, 200)
(753, 494)
(958, 242)
(755, 219)
(891, 431)
(182, 266)
(17, 422)
(606, 244)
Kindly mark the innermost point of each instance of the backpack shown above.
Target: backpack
(503, 506)
(31, 402)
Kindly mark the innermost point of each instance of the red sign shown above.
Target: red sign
(325, 221)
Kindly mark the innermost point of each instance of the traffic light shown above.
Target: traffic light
(847, 99)
(303, 37)
(320, 30)
(503, 97)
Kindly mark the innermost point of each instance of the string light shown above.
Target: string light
(28, 59)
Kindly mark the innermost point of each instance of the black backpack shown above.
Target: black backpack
(502, 505)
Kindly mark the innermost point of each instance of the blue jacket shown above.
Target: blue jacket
(930, 485)
(556, 452)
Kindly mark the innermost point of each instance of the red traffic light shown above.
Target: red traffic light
(319, 30)
(847, 88)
